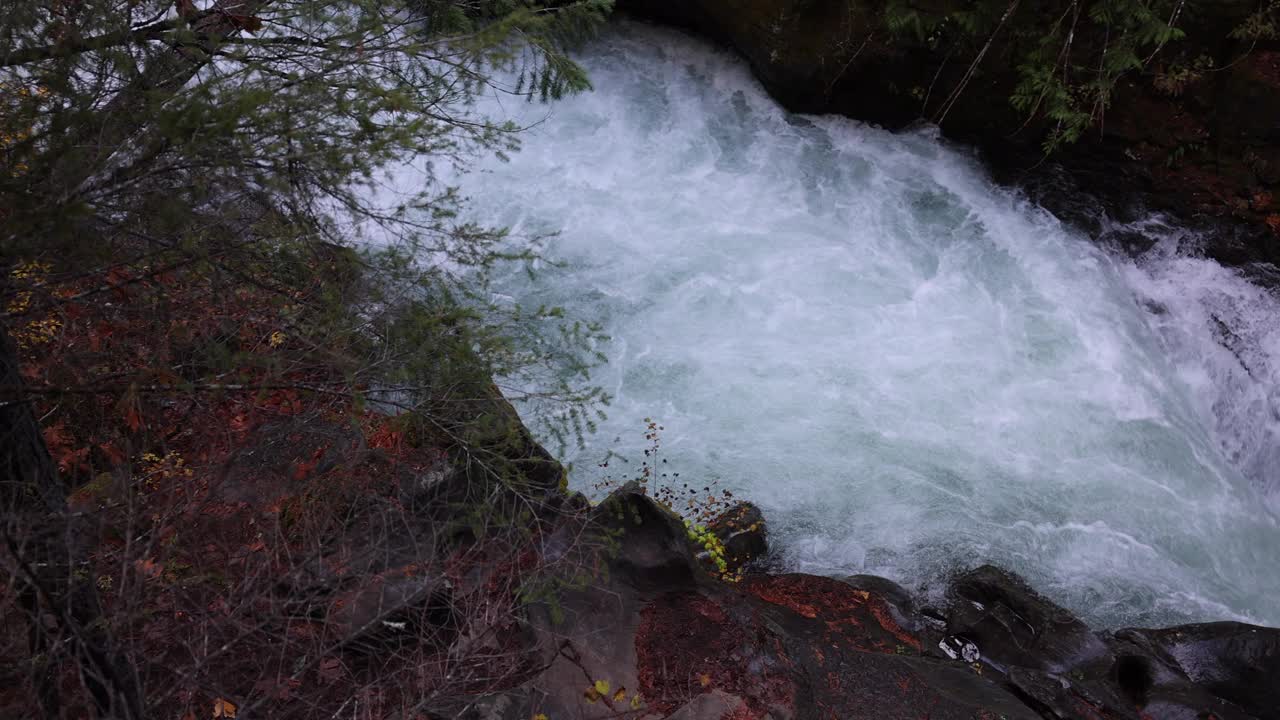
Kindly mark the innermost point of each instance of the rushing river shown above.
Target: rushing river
(910, 369)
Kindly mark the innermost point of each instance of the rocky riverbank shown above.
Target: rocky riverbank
(664, 635)
(1206, 148)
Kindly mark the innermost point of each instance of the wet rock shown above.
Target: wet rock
(1236, 662)
(1059, 667)
(892, 592)
(742, 530)
(1147, 680)
(1014, 626)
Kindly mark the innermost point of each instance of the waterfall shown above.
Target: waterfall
(909, 368)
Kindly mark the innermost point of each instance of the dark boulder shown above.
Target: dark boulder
(654, 549)
(1236, 662)
(1014, 626)
(1062, 669)
(742, 531)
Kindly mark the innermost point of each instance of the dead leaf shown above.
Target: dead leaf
(149, 568)
(224, 708)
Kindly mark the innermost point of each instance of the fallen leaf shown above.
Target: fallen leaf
(223, 708)
(150, 568)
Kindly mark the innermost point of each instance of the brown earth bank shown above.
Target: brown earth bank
(669, 634)
(1205, 149)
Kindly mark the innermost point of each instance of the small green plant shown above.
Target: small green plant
(711, 543)
(1175, 78)
(1068, 61)
(1261, 25)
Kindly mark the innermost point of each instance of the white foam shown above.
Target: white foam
(908, 368)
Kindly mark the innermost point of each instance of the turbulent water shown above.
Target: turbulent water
(910, 369)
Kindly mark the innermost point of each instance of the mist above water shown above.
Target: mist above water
(910, 369)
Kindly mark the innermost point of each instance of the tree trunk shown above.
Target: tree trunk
(54, 584)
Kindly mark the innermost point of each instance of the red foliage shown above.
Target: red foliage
(216, 478)
(687, 644)
(855, 618)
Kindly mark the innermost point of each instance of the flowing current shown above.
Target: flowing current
(909, 368)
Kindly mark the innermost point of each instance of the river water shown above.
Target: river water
(909, 368)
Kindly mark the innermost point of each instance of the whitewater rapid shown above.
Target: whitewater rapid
(910, 369)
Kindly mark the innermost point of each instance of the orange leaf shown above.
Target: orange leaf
(151, 568)
(223, 708)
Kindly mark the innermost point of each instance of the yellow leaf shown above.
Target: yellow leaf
(620, 694)
(541, 716)
(602, 687)
(705, 680)
(636, 702)
(223, 708)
